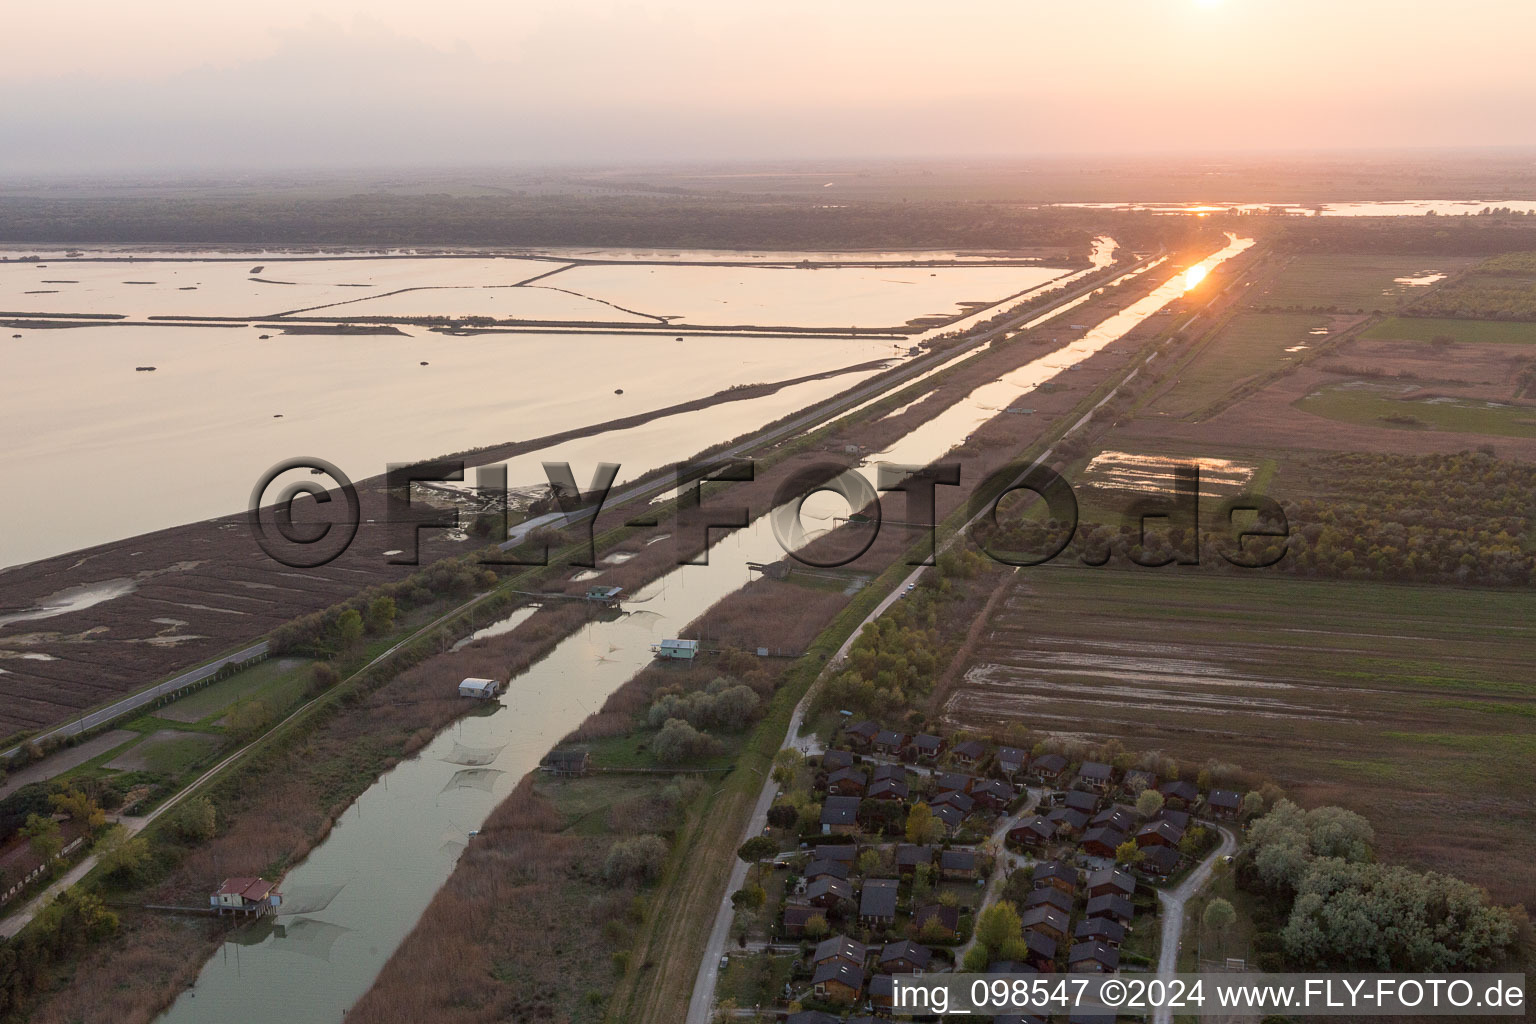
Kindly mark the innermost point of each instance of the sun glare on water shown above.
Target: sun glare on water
(1193, 276)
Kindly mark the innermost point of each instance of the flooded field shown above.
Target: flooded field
(1154, 474)
(209, 408)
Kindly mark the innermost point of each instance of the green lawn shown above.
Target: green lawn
(1412, 328)
(1381, 405)
(1353, 283)
(276, 682)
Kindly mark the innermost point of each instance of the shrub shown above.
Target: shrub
(638, 859)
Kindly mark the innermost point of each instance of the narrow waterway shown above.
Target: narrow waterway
(398, 843)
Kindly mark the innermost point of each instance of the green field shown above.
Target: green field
(1353, 283)
(1412, 328)
(1380, 405)
(1250, 345)
(277, 682)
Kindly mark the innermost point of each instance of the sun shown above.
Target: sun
(1193, 276)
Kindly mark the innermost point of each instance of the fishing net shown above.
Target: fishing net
(474, 756)
(307, 899)
(483, 779)
(309, 937)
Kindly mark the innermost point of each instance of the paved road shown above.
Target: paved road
(1173, 911)
(1002, 859)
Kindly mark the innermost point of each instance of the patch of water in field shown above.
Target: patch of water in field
(1381, 208)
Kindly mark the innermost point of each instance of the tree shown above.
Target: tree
(1193, 841)
(997, 926)
(751, 897)
(349, 628)
(783, 815)
(195, 821)
(678, 742)
(816, 927)
(1149, 803)
(43, 835)
(322, 677)
(120, 853)
(381, 615)
(1128, 853)
(1218, 917)
(786, 765)
(79, 807)
(757, 848)
(1253, 804)
(976, 960)
(922, 827)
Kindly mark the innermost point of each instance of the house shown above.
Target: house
(826, 869)
(1101, 842)
(1159, 833)
(1068, 822)
(827, 892)
(888, 789)
(877, 902)
(1100, 929)
(1095, 776)
(957, 865)
(1011, 761)
(1116, 908)
(1159, 862)
(567, 764)
(1178, 819)
(1053, 874)
(608, 597)
(925, 747)
(480, 689)
(1224, 803)
(1138, 779)
(1119, 818)
(845, 853)
(795, 917)
(1048, 768)
(882, 992)
(678, 650)
(949, 816)
(952, 782)
(1078, 800)
(908, 858)
(836, 760)
(889, 743)
(840, 815)
(905, 957)
(959, 801)
(993, 794)
(846, 782)
(1093, 957)
(251, 897)
(1046, 920)
(862, 734)
(1042, 951)
(1184, 792)
(1111, 881)
(936, 919)
(968, 753)
(840, 947)
(1033, 831)
(838, 982)
(1049, 896)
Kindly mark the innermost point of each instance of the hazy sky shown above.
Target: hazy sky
(93, 85)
